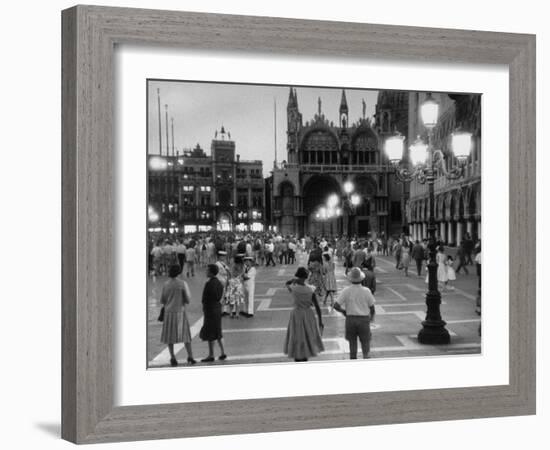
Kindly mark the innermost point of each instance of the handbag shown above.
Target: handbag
(161, 315)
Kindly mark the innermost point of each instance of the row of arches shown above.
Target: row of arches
(321, 145)
(458, 204)
(297, 206)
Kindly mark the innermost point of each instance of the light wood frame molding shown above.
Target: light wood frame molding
(89, 35)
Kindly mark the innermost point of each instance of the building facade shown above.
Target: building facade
(321, 158)
(194, 192)
(457, 203)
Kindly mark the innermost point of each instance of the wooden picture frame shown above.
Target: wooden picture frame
(89, 36)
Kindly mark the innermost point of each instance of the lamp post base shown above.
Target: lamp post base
(434, 333)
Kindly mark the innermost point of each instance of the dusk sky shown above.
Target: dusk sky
(246, 111)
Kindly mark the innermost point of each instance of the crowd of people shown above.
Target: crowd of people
(231, 263)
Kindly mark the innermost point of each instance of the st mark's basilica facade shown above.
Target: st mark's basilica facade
(340, 161)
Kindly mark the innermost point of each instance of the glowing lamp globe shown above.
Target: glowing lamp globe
(394, 148)
(418, 152)
(332, 201)
(429, 111)
(348, 187)
(355, 199)
(158, 163)
(461, 144)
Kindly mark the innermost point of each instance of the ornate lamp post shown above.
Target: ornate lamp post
(349, 204)
(425, 161)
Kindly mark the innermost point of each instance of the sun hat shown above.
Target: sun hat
(356, 275)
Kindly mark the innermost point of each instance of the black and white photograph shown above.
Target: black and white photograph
(302, 223)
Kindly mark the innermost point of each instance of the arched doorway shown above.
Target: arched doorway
(365, 214)
(224, 222)
(316, 193)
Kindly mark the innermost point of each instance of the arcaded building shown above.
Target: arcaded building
(457, 202)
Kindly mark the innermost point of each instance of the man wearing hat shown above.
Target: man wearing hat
(249, 282)
(356, 302)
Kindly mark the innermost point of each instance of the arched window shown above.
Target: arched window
(365, 146)
(320, 144)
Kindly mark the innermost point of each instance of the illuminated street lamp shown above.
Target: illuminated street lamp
(394, 147)
(418, 152)
(349, 203)
(153, 215)
(158, 163)
(332, 201)
(429, 112)
(348, 187)
(461, 142)
(426, 160)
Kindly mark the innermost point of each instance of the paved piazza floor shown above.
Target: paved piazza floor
(400, 308)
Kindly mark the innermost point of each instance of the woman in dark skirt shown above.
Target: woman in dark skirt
(212, 309)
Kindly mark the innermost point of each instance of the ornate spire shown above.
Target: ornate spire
(343, 103)
(319, 105)
(292, 99)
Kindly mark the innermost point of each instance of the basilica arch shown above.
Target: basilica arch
(365, 213)
(364, 145)
(316, 192)
(319, 146)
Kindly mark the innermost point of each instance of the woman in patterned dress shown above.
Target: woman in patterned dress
(303, 336)
(317, 278)
(330, 279)
(235, 292)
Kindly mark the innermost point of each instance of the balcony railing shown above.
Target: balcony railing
(339, 168)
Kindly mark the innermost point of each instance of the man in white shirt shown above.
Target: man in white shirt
(269, 249)
(356, 302)
(190, 257)
(248, 248)
(180, 251)
(291, 252)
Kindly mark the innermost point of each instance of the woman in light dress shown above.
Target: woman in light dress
(405, 256)
(317, 278)
(442, 268)
(175, 326)
(451, 274)
(249, 285)
(303, 335)
(330, 279)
